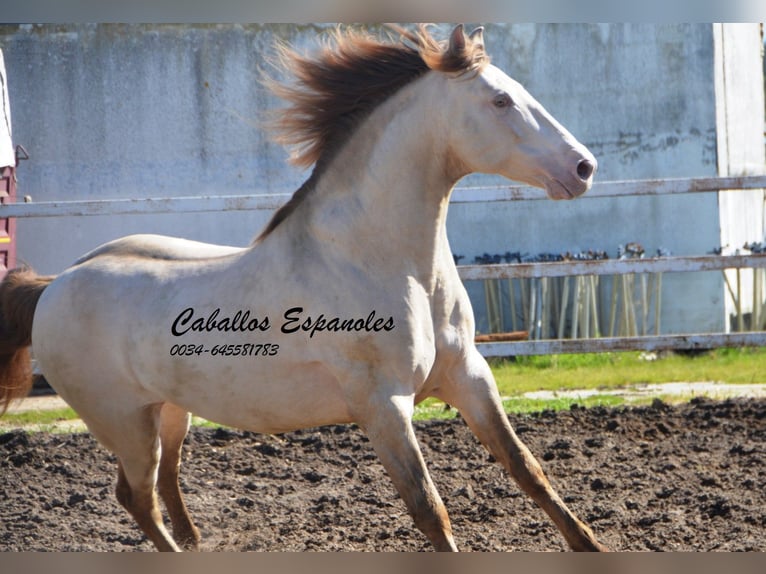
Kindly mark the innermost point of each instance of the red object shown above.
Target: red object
(8, 225)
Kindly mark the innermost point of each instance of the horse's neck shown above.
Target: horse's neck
(385, 194)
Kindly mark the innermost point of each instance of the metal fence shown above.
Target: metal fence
(582, 274)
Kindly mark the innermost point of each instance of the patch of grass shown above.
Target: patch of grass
(43, 417)
(431, 409)
(434, 409)
(616, 370)
(200, 422)
(521, 405)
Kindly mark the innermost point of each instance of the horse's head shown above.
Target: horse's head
(498, 127)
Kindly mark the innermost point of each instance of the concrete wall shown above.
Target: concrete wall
(136, 111)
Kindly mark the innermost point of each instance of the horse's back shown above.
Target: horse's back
(159, 247)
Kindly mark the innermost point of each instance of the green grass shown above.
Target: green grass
(44, 417)
(523, 405)
(434, 409)
(615, 370)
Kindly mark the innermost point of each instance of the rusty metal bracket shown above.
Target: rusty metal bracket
(21, 154)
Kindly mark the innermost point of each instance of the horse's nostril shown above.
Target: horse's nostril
(585, 169)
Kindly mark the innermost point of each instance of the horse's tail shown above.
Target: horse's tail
(19, 293)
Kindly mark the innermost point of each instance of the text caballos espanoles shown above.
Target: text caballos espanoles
(293, 321)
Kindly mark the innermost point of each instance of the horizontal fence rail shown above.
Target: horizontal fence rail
(637, 187)
(249, 202)
(536, 270)
(696, 342)
(611, 266)
(144, 206)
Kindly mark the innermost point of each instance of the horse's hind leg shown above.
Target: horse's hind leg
(471, 389)
(174, 424)
(138, 454)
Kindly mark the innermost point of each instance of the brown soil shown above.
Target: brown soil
(691, 477)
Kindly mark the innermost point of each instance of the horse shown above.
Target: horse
(346, 308)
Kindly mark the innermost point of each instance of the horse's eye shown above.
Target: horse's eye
(502, 101)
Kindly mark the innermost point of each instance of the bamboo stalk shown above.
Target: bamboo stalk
(585, 307)
(575, 308)
(628, 305)
(563, 313)
(492, 305)
(498, 287)
(594, 281)
(512, 304)
(657, 302)
(524, 303)
(740, 317)
(533, 330)
(554, 300)
(632, 307)
(545, 308)
(644, 305)
(540, 308)
(613, 305)
(625, 318)
(488, 305)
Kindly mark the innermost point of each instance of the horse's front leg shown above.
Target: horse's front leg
(389, 428)
(470, 387)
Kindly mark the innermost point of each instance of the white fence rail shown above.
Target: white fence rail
(144, 205)
(192, 204)
(197, 204)
(611, 266)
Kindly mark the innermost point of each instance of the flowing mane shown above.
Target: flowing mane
(332, 91)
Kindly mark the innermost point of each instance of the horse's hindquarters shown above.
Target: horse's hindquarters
(113, 343)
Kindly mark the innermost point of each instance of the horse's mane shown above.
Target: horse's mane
(333, 91)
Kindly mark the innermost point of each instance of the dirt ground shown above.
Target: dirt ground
(690, 477)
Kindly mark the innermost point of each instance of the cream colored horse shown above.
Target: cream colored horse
(348, 306)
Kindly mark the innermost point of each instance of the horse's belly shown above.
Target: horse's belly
(264, 398)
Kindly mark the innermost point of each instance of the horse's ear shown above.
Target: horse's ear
(477, 36)
(457, 40)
